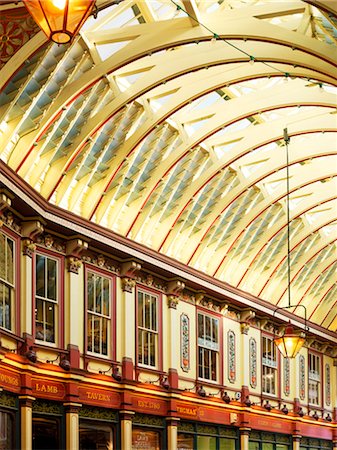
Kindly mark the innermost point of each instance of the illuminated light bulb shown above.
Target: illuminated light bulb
(59, 4)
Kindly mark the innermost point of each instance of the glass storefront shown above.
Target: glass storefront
(46, 434)
(98, 428)
(95, 437)
(148, 432)
(315, 444)
(259, 440)
(9, 433)
(195, 436)
(6, 430)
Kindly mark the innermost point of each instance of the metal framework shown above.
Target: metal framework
(155, 124)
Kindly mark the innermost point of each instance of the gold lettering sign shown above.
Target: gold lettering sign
(9, 379)
(187, 410)
(48, 389)
(148, 404)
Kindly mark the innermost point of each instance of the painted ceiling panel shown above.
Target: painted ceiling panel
(170, 132)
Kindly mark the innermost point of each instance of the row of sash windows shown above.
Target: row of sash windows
(99, 292)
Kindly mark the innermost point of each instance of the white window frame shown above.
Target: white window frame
(269, 382)
(207, 347)
(46, 300)
(314, 381)
(10, 286)
(147, 332)
(100, 316)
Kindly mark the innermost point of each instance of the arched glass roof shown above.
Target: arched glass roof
(164, 122)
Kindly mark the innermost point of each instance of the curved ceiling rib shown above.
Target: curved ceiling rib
(159, 128)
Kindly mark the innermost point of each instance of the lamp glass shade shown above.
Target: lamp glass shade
(290, 343)
(60, 20)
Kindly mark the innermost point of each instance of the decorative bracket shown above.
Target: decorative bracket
(74, 248)
(175, 287)
(129, 269)
(30, 230)
(245, 317)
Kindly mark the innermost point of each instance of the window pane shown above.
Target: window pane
(90, 333)
(95, 437)
(51, 277)
(147, 323)
(10, 261)
(185, 442)
(2, 256)
(40, 276)
(97, 334)
(154, 314)
(39, 320)
(215, 331)
(206, 443)
(144, 439)
(227, 444)
(6, 431)
(106, 297)
(200, 326)
(140, 347)
(213, 359)
(152, 350)
(104, 336)
(140, 309)
(98, 284)
(90, 291)
(50, 322)
(268, 446)
(254, 446)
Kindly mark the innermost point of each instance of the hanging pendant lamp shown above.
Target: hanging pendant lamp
(60, 20)
(291, 342)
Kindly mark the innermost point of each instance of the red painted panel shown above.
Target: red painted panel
(10, 380)
(52, 390)
(148, 405)
(99, 397)
(202, 413)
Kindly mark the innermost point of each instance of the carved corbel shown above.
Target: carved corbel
(199, 297)
(245, 317)
(175, 287)
(224, 309)
(30, 230)
(128, 284)
(74, 248)
(129, 269)
(172, 301)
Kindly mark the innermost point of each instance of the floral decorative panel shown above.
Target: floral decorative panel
(286, 376)
(327, 385)
(302, 377)
(185, 342)
(231, 356)
(252, 363)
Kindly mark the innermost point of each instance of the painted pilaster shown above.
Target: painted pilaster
(174, 288)
(128, 339)
(296, 442)
(126, 429)
(74, 292)
(26, 409)
(172, 433)
(72, 425)
(244, 438)
(245, 317)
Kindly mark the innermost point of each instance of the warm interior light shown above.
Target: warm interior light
(60, 20)
(60, 4)
(290, 343)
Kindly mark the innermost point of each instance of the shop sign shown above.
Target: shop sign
(48, 389)
(99, 397)
(10, 380)
(192, 412)
(148, 405)
(279, 426)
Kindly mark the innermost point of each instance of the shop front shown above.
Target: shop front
(98, 428)
(201, 436)
(8, 417)
(260, 440)
(148, 432)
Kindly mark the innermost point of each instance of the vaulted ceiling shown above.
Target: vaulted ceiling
(164, 122)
